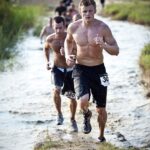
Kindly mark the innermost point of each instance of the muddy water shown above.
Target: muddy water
(27, 110)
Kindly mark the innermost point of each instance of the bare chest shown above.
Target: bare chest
(56, 45)
(86, 36)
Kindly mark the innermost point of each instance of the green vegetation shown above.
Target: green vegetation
(145, 65)
(47, 144)
(37, 29)
(62, 145)
(136, 11)
(14, 20)
(145, 58)
(108, 146)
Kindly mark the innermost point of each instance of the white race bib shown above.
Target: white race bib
(104, 80)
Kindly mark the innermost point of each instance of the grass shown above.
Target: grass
(15, 19)
(108, 146)
(136, 11)
(145, 65)
(79, 143)
(145, 58)
(49, 144)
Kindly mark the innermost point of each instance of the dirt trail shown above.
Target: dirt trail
(79, 142)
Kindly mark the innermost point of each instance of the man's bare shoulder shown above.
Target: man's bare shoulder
(44, 27)
(49, 41)
(102, 26)
(50, 38)
(74, 26)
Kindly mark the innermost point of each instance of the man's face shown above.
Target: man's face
(87, 13)
(59, 27)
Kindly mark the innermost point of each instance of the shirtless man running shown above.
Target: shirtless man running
(60, 72)
(91, 36)
(46, 30)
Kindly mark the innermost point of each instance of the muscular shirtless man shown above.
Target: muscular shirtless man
(46, 30)
(91, 36)
(60, 72)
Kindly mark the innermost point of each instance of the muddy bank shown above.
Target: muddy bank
(77, 141)
(145, 80)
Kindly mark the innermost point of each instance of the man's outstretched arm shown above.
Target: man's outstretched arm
(47, 54)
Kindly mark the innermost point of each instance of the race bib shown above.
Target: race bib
(104, 80)
(70, 94)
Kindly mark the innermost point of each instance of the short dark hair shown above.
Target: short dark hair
(87, 3)
(59, 19)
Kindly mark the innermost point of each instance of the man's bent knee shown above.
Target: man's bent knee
(56, 92)
(101, 110)
(84, 101)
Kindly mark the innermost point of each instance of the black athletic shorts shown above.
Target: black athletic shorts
(91, 79)
(62, 78)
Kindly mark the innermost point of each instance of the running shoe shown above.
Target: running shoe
(86, 124)
(102, 139)
(60, 119)
(74, 126)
